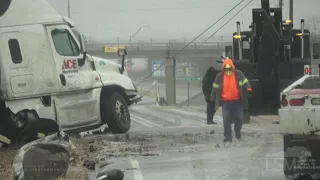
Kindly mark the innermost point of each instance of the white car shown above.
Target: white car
(300, 124)
(300, 106)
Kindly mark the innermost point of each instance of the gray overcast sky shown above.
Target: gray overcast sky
(106, 20)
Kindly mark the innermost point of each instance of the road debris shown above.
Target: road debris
(114, 174)
(275, 122)
(90, 164)
(48, 157)
(92, 148)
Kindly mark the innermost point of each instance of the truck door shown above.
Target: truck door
(66, 53)
(76, 105)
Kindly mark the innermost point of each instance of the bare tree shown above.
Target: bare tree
(313, 24)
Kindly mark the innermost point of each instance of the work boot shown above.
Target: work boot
(227, 140)
(211, 122)
(238, 135)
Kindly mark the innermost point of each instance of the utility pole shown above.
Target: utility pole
(170, 66)
(69, 14)
(290, 34)
(135, 33)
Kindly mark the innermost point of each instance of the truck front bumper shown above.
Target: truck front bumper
(133, 96)
(136, 99)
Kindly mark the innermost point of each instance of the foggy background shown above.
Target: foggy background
(169, 24)
(108, 20)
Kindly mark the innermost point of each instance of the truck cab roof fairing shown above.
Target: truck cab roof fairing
(21, 12)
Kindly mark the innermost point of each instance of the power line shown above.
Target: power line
(165, 9)
(226, 23)
(193, 40)
(208, 28)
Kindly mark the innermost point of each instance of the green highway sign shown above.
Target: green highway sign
(189, 78)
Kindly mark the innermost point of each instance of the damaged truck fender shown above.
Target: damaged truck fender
(30, 116)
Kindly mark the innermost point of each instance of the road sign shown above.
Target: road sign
(113, 49)
(189, 78)
(158, 68)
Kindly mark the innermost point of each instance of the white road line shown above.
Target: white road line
(201, 115)
(140, 119)
(136, 169)
(188, 112)
(143, 123)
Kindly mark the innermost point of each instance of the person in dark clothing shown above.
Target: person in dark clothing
(206, 89)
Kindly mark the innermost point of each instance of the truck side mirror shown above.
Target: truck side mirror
(122, 53)
(316, 50)
(83, 49)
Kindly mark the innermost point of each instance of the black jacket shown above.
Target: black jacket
(207, 81)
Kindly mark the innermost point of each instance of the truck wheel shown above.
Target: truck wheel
(116, 113)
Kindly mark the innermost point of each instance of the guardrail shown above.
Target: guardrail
(145, 46)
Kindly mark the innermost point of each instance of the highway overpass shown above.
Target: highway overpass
(201, 57)
(158, 50)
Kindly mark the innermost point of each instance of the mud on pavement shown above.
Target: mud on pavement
(105, 149)
(97, 151)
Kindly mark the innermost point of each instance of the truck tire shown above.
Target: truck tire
(116, 113)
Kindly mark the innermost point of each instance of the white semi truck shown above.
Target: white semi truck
(48, 82)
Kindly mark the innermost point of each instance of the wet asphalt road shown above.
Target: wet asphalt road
(258, 156)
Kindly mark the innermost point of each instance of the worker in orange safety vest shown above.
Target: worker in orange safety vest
(231, 90)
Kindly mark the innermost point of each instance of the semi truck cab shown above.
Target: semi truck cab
(49, 82)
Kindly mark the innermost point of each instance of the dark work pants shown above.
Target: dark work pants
(210, 112)
(232, 112)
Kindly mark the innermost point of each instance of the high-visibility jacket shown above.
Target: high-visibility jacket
(242, 84)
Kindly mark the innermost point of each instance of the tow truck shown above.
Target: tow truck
(272, 55)
(49, 82)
